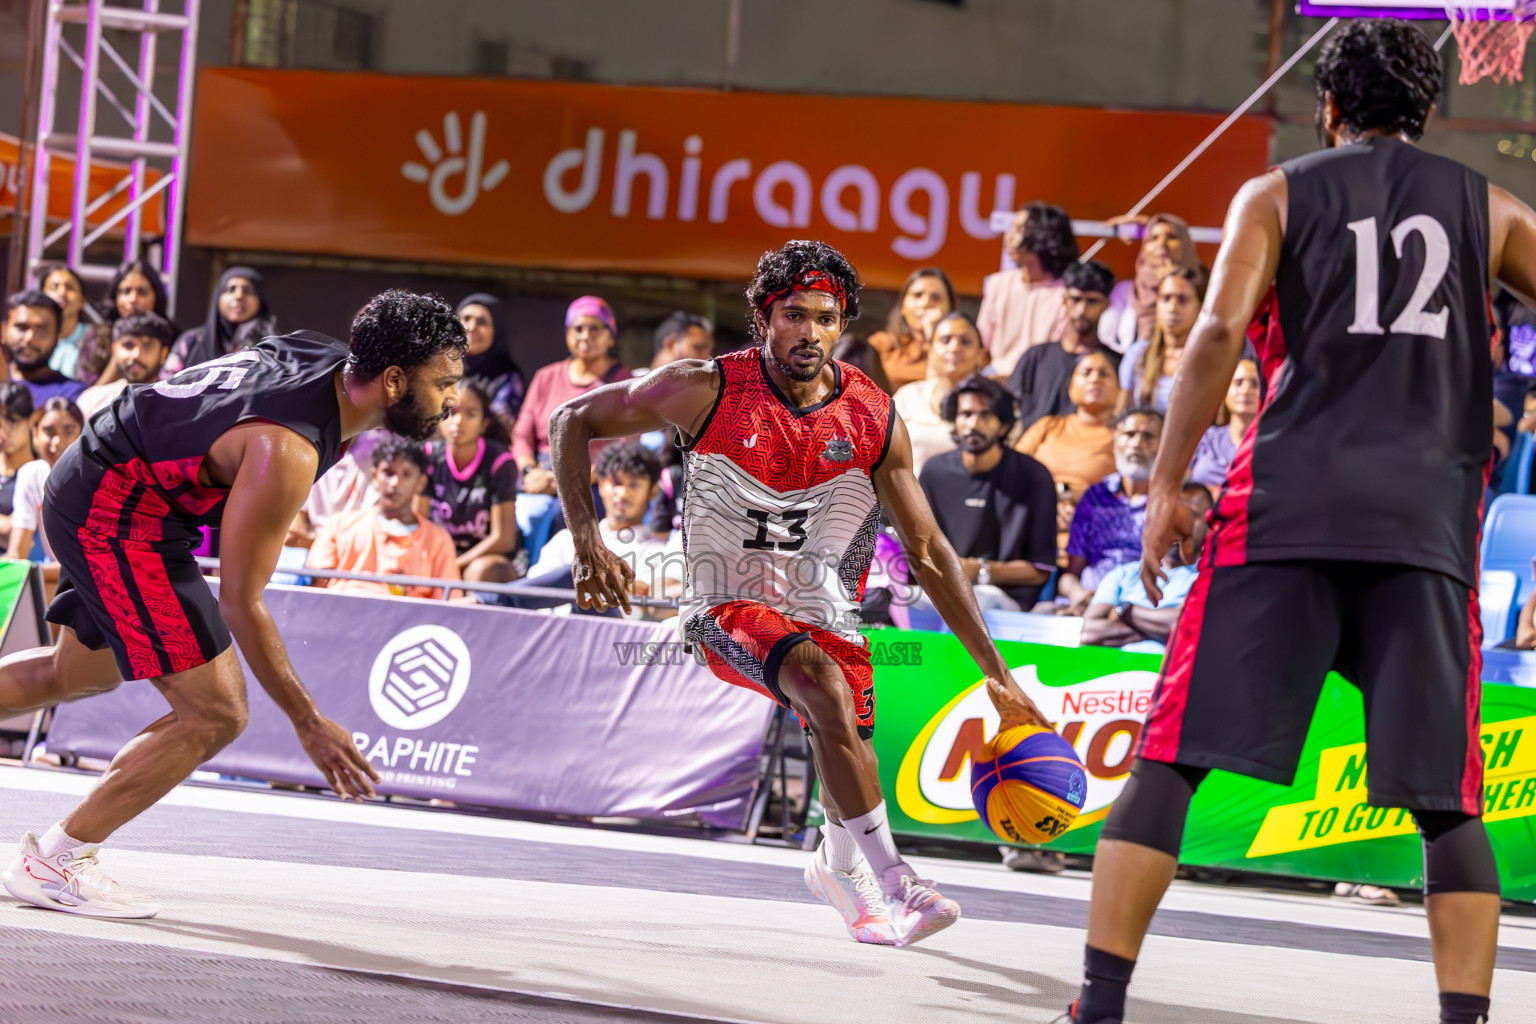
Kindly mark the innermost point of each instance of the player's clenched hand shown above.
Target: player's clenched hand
(343, 765)
(1169, 522)
(1012, 704)
(602, 580)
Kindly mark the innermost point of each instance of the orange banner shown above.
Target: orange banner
(61, 184)
(671, 181)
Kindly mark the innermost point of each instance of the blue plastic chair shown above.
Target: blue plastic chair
(1520, 459)
(1509, 541)
(1496, 603)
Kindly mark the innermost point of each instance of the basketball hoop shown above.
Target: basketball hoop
(1492, 46)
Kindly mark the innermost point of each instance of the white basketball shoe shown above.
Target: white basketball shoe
(917, 909)
(73, 882)
(855, 895)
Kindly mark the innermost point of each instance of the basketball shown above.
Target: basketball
(1030, 785)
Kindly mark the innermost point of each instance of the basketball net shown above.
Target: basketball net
(1489, 48)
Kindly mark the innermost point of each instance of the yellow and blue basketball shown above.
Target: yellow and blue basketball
(1029, 786)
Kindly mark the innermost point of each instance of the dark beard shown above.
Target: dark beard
(406, 418)
(799, 376)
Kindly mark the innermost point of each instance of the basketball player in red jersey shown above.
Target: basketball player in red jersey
(1346, 536)
(790, 457)
(236, 442)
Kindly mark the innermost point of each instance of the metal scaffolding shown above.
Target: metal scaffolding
(146, 146)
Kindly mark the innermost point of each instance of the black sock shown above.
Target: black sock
(1105, 977)
(1460, 1008)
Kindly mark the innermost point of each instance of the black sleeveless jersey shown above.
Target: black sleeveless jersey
(158, 434)
(1376, 439)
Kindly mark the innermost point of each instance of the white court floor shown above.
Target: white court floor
(280, 908)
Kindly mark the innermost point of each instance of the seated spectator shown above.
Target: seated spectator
(954, 355)
(31, 334)
(1122, 615)
(1527, 422)
(388, 538)
(141, 342)
(627, 476)
(683, 336)
(1219, 443)
(1106, 528)
(1165, 245)
(996, 506)
(57, 426)
(857, 352)
(489, 356)
(136, 288)
(238, 317)
(591, 334)
(473, 486)
(1024, 307)
(15, 449)
(1079, 447)
(926, 298)
(1146, 372)
(345, 487)
(1043, 372)
(64, 286)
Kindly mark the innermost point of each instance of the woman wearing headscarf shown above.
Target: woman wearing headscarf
(237, 318)
(1165, 246)
(489, 358)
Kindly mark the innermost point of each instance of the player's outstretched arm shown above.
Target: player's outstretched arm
(679, 395)
(939, 573)
(1245, 268)
(277, 469)
(1512, 244)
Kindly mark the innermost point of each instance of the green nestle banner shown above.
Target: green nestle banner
(934, 716)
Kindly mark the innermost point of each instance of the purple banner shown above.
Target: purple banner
(556, 714)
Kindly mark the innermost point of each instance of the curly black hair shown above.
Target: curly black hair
(1092, 276)
(779, 269)
(630, 457)
(401, 328)
(997, 396)
(392, 448)
(1048, 234)
(1383, 74)
(145, 325)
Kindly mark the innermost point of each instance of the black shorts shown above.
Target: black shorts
(1246, 663)
(127, 576)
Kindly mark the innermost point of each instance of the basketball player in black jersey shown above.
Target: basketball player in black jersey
(1346, 535)
(236, 442)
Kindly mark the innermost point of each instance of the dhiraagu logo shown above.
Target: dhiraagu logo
(1101, 718)
(1338, 812)
(451, 159)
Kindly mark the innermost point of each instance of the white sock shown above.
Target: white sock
(872, 832)
(842, 852)
(55, 841)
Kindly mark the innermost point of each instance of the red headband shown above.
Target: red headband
(811, 281)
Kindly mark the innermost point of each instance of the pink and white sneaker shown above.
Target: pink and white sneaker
(917, 909)
(855, 895)
(73, 882)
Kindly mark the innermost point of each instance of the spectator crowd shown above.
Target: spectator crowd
(1034, 427)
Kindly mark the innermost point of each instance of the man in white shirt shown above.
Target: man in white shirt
(140, 344)
(1025, 307)
(627, 476)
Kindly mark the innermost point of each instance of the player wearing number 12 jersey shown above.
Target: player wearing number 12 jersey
(1346, 535)
(237, 443)
(790, 457)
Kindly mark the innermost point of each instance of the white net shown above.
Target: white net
(1489, 47)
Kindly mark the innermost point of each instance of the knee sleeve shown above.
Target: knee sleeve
(1152, 807)
(1457, 855)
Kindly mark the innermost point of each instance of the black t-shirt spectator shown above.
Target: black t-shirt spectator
(461, 497)
(1007, 514)
(1041, 378)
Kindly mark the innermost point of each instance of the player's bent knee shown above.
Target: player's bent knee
(819, 695)
(1457, 854)
(1152, 808)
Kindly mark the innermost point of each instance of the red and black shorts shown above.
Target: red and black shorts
(1246, 663)
(127, 576)
(745, 643)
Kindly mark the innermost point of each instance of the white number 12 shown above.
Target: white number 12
(1437, 259)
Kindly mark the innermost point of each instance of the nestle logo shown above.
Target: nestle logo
(1102, 702)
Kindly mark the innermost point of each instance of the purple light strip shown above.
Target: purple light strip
(1318, 10)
